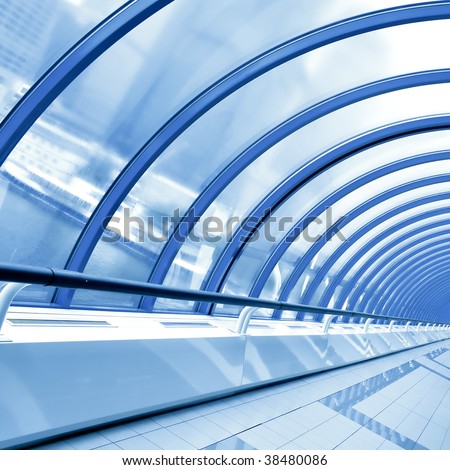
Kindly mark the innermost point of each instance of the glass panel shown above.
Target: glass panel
(379, 229)
(377, 270)
(420, 259)
(265, 173)
(73, 153)
(298, 249)
(34, 34)
(383, 270)
(292, 211)
(253, 258)
(242, 282)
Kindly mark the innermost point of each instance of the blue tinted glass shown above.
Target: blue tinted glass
(61, 169)
(378, 270)
(217, 138)
(268, 171)
(244, 272)
(73, 153)
(34, 34)
(297, 250)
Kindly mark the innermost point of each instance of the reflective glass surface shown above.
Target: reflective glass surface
(172, 119)
(297, 250)
(306, 198)
(377, 271)
(34, 35)
(290, 213)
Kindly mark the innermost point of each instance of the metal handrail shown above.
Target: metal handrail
(46, 276)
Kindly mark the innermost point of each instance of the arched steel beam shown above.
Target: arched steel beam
(354, 238)
(295, 181)
(315, 247)
(270, 139)
(375, 276)
(374, 284)
(308, 256)
(397, 270)
(392, 246)
(440, 305)
(298, 270)
(423, 301)
(252, 69)
(439, 308)
(69, 66)
(410, 261)
(364, 249)
(407, 268)
(416, 270)
(429, 277)
(357, 183)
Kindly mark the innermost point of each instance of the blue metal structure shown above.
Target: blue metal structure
(269, 140)
(407, 264)
(301, 177)
(396, 257)
(441, 295)
(307, 258)
(333, 198)
(427, 278)
(81, 178)
(398, 288)
(368, 246)
(219, 91)
(71, 65)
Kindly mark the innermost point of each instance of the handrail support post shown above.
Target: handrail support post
(367, 325)
(7, 294)
(244, 319)
(327, 322)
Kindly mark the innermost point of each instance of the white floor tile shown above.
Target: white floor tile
(225, 422)
(144, 425)
(393, 415)
(255, 440)
(109, 447)
(432, 436)
(118, 433)
(388, 445)
(286, 427)
(137, 443)
(167, 440)
(270, 434)
(446, 442)
(88, 441)
(363, 439)
(291, 446)
(209, 428)
(412, 426)
(191, 435)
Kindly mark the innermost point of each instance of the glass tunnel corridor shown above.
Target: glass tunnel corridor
(238, 210)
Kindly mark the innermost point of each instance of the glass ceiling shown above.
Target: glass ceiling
(200, 145)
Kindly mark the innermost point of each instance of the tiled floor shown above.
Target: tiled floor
(400, 401)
